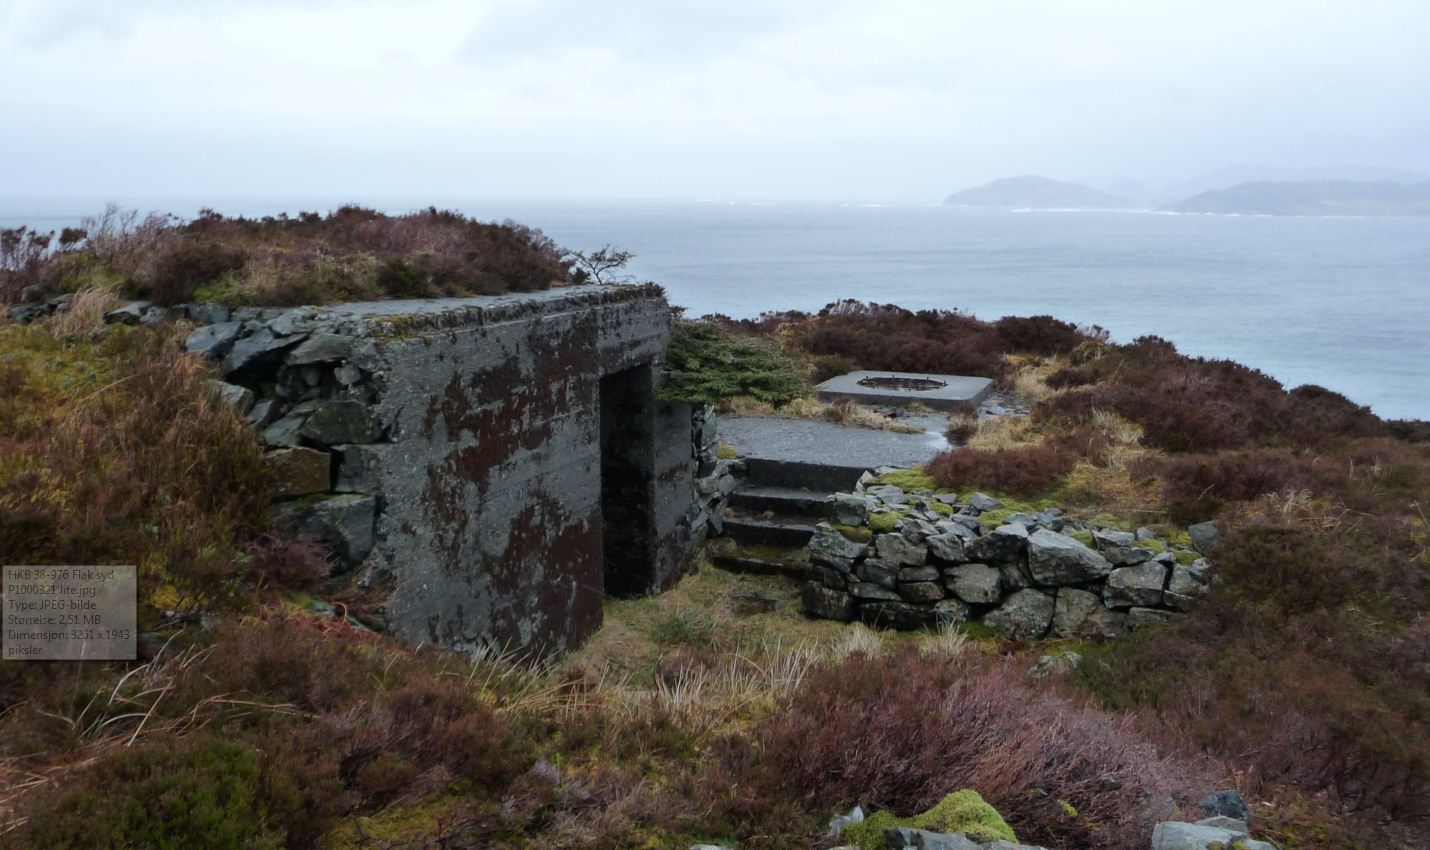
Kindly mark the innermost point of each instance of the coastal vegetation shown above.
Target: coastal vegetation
(260, 717)
(350, 254)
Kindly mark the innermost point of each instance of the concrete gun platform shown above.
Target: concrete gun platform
(940, 392)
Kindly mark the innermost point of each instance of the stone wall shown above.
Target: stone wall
(903, 560)
(454, 452)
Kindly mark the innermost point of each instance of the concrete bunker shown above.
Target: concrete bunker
(489, 469)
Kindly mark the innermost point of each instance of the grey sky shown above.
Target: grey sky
(889, 100)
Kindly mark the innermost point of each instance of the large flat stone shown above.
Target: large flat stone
(954, 390)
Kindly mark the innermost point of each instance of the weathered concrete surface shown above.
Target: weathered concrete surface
(956, 390)
(809, 441)
(492, 523)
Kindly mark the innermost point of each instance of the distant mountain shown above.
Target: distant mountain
(1313, 197)
(1225, 178)
(1036, 193)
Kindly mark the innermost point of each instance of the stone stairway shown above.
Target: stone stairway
(772, 514)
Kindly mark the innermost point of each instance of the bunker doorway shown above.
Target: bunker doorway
(628, 547)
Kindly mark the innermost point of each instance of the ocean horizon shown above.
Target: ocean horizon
(1339, 302)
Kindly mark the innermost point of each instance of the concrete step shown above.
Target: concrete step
(754, 531)
(784, 501)
(763, 560)
(801, 475)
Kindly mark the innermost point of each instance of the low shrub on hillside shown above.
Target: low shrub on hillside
(113, 451)
(958, 722)
(1020, 470)
(350, 254)
(707, 363)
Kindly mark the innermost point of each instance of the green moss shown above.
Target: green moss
(727, 452)
(909, 480)
(859, 534)
(1083, 537)
(883, 522)
(399, 823)
(962, 811)
(941, 508)
(1068, 809)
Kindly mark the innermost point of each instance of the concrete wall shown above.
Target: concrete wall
(451, 451)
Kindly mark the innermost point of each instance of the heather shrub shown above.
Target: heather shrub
(1020, 470)
(959, 722)
(350, 253)
(707, 363)
(112, 451)
(1038, 335)
(161, 796)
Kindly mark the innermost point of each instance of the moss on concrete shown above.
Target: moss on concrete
(962, 811)
(909, 480)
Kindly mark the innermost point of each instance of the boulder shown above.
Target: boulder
(898, 550)
(321, 348)
(1106, 538)
(877, 572)
(255, 350)
(873, 592)
(849, 509)
(1126, 556)
(826, 603)
(295, 321)
(1140, 585)
(948, 545)
(1183, 588)
(1014, 576)
(917, 530)
(1080, 614)
(1052, 665)
(1224, 822)
(213, 340)
(207, 313)
(262, 413)
(1173, 835)
(920, 591)
(984, 502)
(827, 576)
(979, 584)
(829, 547)
(1228, 803)
(919, 574)
(903, 837)
(335, 422)
(27, 313)
(1205, 536)
(950, 611)
(1055, 559)
(1140, 617)
(1002, 544)
(239, 398)
(896, 615)
(285, 431)
(129, 314)
(889, 494)
(298, 471)
(344, 522)
(1025, 615)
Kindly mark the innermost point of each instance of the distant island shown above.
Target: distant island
(1312, 197)
(1030, 192)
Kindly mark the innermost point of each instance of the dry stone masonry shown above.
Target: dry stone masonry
(911, 560)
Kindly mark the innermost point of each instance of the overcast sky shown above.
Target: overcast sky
(731, 99)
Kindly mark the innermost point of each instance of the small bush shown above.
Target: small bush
(706, 364)
(164, 796)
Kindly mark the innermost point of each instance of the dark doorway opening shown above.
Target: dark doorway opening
(628, 481)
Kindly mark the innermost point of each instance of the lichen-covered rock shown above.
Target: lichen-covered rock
(947, 611)
(978, 584)
(239, 398)
(873, 592)
(358, 468)
(920, 591)
(919, 574)
(344, 522)
(286, 430)
(1137, 585)
(894, 614)
(1173, 835)
(1025, 615)
(333, 423)
(1051, 665)
(828, 546)
(129, 314)
(298, 471)
(850, 509)
(1140, 617)
(826, 603)
(1186, 584)
(984, 502)
(1205, 536)
(1005, 543)
(899, 550)
(213, 340)
(259, 348)
(1055, 559)
(1080, 614)
(877, 572)
(948, 546)
(321, 348)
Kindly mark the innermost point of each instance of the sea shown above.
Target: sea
(1342, 302)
